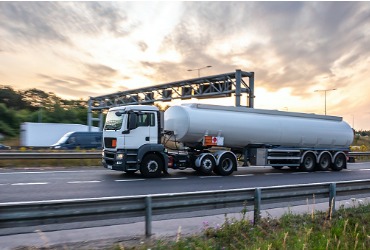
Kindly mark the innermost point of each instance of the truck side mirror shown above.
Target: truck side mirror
(132, 121)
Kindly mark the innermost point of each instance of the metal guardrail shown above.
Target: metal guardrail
(21, 214)
(83, 155)
(354, 154)
(49, 155)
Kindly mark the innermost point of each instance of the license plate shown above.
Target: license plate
(110, 166)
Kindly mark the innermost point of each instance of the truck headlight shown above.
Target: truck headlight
(119, 157)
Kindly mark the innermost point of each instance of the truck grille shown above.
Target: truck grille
(109, 155)
(110, 142)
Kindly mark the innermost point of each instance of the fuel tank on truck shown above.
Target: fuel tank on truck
(241, 126)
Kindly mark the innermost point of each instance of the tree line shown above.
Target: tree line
(34, 105)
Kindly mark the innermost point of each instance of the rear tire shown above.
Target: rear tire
(324, 162)
(339, 162)
(309, 162)
(151, 166)
(226, 165)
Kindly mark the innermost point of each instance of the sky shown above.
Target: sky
(82, 49)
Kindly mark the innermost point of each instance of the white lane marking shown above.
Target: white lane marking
(46, 172)
(82, 182)
(213, 176)
(130, 180)
(347, 170)
(300, 173)
(175, 178)
(243, 175)
(273, 173)
(3, 184)
(32, 183)
(364, 169)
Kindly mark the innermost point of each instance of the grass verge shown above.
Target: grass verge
(348, 228)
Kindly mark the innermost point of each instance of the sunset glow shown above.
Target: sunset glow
(82, 49)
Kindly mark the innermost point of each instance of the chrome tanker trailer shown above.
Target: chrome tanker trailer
(215, 138)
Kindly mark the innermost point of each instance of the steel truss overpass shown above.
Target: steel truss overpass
(216, 86)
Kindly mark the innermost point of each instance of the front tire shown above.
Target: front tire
(151, 166)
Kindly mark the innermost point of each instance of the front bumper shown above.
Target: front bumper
(110, 160)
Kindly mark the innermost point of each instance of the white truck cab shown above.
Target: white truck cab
(132, 135)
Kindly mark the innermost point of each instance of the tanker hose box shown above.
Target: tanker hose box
(258, 156)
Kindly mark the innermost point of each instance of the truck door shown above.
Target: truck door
(144, 133)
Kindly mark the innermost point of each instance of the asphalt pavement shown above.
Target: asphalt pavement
(19, 185)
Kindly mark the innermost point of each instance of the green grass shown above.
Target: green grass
(347, 229)
(360, 143)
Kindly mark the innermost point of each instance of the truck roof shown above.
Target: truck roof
(136, 107)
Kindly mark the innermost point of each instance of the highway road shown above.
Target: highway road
(18, 185)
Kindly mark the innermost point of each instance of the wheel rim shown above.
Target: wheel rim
(339, 162)
(308, 163)
(207, 164)
(324, 162)
(152, 166)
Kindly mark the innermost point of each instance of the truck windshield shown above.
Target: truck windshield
(114, 120)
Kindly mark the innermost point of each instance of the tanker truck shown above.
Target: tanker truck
(216, 139)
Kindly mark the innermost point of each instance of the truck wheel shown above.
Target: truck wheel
(226, 165)
(308, 163)
(151, 166)
(207, 164)
(324, 162)
(339, 162)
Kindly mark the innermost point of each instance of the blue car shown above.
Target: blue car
(82, 140)
(2, 146)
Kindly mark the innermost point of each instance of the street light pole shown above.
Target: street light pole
(324, 90)
(198, 69)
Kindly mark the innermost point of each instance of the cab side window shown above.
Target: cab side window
(145, 120)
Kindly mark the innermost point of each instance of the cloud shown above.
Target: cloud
(69, 86)
(99, 71)
(304, 39)
(143, 46)
(109, 16)
(34, 22)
